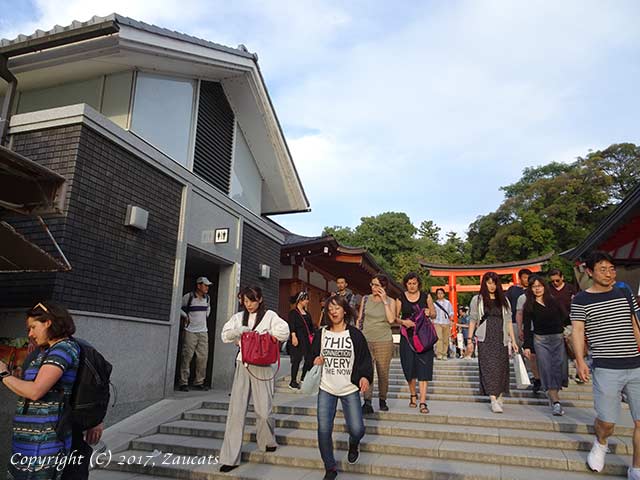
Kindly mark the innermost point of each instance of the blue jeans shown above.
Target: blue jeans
(352, 410)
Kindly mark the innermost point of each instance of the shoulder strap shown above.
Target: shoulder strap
(441, 308)
(364, 307)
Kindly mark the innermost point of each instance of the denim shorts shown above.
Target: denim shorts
(608, 385)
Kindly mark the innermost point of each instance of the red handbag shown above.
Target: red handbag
(259, 348)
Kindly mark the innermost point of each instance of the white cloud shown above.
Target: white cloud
(428, 108)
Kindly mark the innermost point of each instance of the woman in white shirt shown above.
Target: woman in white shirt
(347, 370)
(250, 380)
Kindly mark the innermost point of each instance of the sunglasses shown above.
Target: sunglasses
(42, 307)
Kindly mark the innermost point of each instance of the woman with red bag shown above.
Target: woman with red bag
(250, 380)
(302, 333)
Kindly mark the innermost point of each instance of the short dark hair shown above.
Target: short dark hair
(597, 256)
(341, 277)
(440, 290)
(411, 276)
(382, 278)
(62, 324)
(524, 271)
(555, 271)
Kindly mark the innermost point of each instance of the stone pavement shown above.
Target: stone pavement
(459, 439)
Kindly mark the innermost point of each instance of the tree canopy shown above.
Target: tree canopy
(551, 208)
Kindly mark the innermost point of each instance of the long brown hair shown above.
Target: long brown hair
(255, 295)
(484, 290)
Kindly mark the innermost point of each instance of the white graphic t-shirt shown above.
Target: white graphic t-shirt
(339, 358)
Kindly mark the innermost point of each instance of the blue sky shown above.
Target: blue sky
(421, 107)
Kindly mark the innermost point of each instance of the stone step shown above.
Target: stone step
(470, 397)
(418, 431)
(568, 394)
(413, 461)
(462, 414)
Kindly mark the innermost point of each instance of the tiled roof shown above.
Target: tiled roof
(122, 20)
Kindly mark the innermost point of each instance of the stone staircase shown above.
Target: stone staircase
(459, 439)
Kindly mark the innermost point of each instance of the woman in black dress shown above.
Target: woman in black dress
(302, 333)
(415, 365)
(491, 314)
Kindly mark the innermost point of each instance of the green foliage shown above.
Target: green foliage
(554, 207)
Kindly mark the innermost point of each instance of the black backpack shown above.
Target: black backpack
(90, 396)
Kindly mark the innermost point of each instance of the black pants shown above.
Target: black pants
(78, 470)
(296, 355)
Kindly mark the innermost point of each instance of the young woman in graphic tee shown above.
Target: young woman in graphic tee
(548, 319)
(347, 370)
(302, 332)
(250, 380)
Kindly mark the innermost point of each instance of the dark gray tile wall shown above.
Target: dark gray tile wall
(116, 269)
(257, 248)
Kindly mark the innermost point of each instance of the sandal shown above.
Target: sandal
(412, 401)
(423, 408)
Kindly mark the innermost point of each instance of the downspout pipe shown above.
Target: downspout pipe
(5, 113)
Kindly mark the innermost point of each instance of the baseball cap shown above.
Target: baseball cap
(204, 280)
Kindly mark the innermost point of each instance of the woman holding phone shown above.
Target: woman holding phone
(377, 314)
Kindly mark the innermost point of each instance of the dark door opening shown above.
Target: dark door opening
(201, 264)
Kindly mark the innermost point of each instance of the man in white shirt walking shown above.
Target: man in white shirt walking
(444, 312)
(194, 313)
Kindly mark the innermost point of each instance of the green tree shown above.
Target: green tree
(344, 235)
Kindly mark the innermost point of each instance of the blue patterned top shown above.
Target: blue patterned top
(34, 430)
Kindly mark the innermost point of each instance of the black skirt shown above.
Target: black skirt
(416, 365)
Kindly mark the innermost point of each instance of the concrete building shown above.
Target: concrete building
(173, 156)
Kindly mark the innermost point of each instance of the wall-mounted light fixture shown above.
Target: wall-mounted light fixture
(136, 217)
(265, 271)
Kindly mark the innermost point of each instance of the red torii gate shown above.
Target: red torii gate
(452, 272)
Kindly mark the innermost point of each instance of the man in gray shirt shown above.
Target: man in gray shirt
(194, 313)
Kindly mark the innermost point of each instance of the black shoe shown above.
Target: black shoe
(537, 385)
(228, 468)
(367, 408)
(330, 475)
(354, 453)
(202, 388)
(183, 388)
(383, 406)
(271, 449)
(294, 386)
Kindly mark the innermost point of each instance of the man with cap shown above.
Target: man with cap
(194, 313)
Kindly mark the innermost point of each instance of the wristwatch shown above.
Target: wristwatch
(4, 374)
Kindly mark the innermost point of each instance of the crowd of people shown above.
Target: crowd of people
(547, 321)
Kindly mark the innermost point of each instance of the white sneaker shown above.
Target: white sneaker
(557, 409)
(633, 473)
(500, 400)
(595, 459)
(496, 407)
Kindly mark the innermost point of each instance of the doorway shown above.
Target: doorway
(201, 264)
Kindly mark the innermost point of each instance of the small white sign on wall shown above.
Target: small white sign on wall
(222, 235)
(219, 235)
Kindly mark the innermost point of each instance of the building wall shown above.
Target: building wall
(116, 269)
(258, 249)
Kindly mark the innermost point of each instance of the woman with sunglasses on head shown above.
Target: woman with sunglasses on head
(347, 370)
(39, 435)
(377, 314)
(302, 333)
(252, 381)
(548, 319)
(490, 320)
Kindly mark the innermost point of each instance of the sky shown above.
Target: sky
(422, 107)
